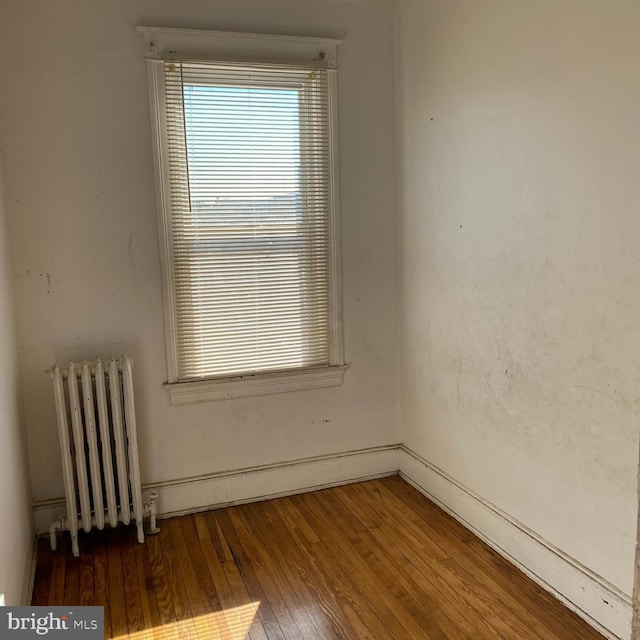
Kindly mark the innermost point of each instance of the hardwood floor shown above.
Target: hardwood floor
(372, 560)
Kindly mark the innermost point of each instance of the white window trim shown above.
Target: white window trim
(191, 44)
(197, 44)
(259, 384)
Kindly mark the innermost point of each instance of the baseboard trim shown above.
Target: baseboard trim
(26, 591)
(600, 603)
(249, 484)
(281, 494)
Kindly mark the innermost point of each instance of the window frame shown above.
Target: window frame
(163, 45)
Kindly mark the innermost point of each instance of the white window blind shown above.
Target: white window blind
(249, 189)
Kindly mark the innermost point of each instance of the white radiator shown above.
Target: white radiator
(97, 429)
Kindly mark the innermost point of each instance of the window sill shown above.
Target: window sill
(260, 384)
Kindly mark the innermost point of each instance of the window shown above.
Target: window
(248, 215)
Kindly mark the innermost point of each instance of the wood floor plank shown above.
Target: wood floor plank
(273, 592)
(389, 600)
(397, 623)
(101, 584)
(148, 603)
(430, 606)
(205, 582)
(218, 540)
(289, 560)
(132, 590)
(330, 577)
(186, 622)
(369, 518)
(480, 605)
(236, 616)
(117, 605)
(160, 583)
(86, 589)
(237, 587)
(565, 624)
(72, 582)
(471, 574)
(278, 575)
(369, 561)
(58, 572)
(435, 602)
(201, 526)
(42, 579)
(474, 614)
(320, 596)
(291, 515)
(199, 601)
(267, 615)
(173, 577)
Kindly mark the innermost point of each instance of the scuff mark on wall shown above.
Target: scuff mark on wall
(130, 251)
(497, 346)
(604, 393)
(48, 280)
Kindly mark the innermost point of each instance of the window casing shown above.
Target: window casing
(246, 163)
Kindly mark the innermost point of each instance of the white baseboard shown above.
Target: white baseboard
(29, 574)
(249, 484)
(594, 599)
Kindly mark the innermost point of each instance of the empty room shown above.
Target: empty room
(319, 319)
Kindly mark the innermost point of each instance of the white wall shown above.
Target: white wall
(521, 269)
(82, 213)
(16, 523)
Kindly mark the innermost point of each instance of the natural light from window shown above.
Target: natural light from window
(229, 624)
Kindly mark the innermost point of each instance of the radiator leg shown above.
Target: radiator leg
(75, 549)
(153, 528)
(52, 534)
(140, 530)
